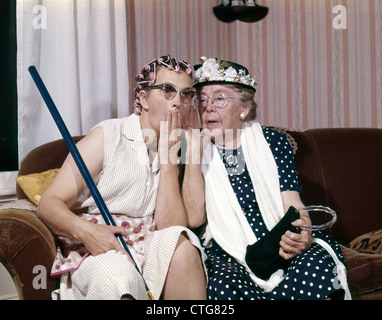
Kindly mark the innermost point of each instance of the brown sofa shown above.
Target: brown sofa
(25, 241)
(339, 168)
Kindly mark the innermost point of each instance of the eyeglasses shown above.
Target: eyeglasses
(169, 92)
(219, 100)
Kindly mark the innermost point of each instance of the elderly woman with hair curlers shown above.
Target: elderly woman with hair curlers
(246, 196)
(133, 161)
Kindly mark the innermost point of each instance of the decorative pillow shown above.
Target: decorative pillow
(370, 242)
(35, 184)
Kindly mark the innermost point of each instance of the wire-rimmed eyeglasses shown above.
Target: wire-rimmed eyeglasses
(219, 100)
(169, 92)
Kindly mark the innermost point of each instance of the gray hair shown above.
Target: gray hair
(247, 96)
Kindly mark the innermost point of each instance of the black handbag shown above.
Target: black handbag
(263, 257)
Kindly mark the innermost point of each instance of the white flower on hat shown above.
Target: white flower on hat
(230, 74)
(210, 69)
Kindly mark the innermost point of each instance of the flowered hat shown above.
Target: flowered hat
(218, 71)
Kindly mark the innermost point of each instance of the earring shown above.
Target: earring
(242, 116)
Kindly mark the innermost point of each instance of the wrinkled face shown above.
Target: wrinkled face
(155, 102)
(222, 123)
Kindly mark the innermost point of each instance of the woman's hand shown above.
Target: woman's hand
(293, 244)
(193, 183)
(170, 138)
(196, 142)
(100, 238)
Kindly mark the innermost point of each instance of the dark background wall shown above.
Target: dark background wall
(8, 88)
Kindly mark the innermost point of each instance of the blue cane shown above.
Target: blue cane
(80, 163)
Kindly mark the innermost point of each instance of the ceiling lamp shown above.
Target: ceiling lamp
(249, 12)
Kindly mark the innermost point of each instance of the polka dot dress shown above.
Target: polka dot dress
(311, 275)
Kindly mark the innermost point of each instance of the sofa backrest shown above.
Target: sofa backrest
(342, 168)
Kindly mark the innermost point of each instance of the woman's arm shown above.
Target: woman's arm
(193, 185)
(292, 244)
(54, 207)
(193, 182)
(169, 208)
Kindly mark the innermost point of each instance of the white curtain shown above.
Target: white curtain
(79, 48)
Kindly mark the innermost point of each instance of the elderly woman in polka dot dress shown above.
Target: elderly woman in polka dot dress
(247, 179)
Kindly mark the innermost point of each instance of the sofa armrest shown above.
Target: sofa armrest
(27, 251)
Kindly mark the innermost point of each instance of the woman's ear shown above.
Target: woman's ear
(245, 109)
(143, 99)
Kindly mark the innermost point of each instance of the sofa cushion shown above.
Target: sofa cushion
(370, 242)
(364, 258)
(35, 184)
(48, 156)
(364, 271)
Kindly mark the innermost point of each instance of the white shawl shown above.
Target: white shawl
(226, 222)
